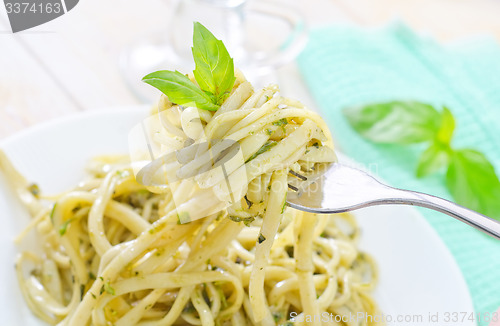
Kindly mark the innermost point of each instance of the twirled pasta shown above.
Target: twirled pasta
(114, 253)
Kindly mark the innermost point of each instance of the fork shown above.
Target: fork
(339, 188)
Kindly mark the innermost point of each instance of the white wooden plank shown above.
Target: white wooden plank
(28, 94)
(83, 51)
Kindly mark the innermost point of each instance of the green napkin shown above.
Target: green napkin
(346, 66)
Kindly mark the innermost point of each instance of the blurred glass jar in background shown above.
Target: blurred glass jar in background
(260, 36)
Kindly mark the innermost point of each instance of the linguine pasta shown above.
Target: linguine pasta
(115, 253)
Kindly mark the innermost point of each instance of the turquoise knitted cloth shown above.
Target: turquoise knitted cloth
(346, 66)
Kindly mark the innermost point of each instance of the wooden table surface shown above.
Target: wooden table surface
(71, 64)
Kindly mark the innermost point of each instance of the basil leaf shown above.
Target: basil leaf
(432, 159)
(395, 122)
(447, 128)
(108, 288)
(472, 181)
(180, 89)
(438, 153)
(214, 67)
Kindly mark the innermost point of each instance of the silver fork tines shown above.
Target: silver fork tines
(340, 188)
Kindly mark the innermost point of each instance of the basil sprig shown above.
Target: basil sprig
(214, 74)
(470, 177)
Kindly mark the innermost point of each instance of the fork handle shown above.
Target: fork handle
(474, 219)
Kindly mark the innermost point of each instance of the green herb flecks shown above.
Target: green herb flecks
(280, 122)
(183, 217)
(64, 227)
(247, 220)
(82, 291)
(107, 288)
(267, 146)
(52, 212)
(34, 189)
(222, 297)
(283, 207)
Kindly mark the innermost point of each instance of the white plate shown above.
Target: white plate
(418, 275)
